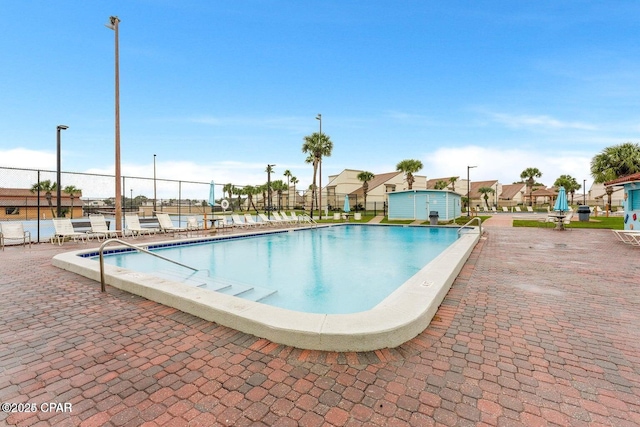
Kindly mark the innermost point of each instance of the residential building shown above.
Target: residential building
(22, 204)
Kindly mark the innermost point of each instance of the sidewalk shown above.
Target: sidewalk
(540, 328)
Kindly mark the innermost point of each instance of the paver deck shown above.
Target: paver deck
(540, 328)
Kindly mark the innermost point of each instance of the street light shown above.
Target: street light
(113, 25)
(469, 192)
(58, 183)
(269, 168)
(319, 117)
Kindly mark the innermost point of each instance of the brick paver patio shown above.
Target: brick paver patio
(540, 328)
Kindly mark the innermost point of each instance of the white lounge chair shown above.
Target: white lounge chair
(285, 217)
(238, 222)
(267, 221)
(249, 220)
(134, 228)
(100, 229)
(193, 226)
(630, 237)
(549, 219)
(279, 219)
(14, 231)
(64, 229)
(166, 224)
(295, 217)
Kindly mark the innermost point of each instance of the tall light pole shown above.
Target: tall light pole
(469, 192)
(154, 184)
(113, 25)
(319, 117)
(58, 183)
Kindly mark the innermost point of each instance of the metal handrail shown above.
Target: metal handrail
(470, 221)
(138, 248)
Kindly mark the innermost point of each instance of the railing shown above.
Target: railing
(470, 221)
(138, 248)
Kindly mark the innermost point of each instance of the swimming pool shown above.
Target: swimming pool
(402, 315)
(333, 270)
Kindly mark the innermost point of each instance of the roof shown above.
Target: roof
(432, 182)
(624, 180)
(375, 182)
(509, 191)
(476, 185)
(545, 192)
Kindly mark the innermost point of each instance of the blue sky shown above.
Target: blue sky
(219, 89)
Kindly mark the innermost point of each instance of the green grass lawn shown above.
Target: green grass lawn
(612, 223)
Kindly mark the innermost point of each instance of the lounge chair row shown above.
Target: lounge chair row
(278, 219)
(14, 231)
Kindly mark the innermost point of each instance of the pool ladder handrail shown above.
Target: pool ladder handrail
(470, 221)
(138, 248)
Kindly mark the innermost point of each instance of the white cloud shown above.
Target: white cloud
(29, 159)
(506, 165)
(539, 122)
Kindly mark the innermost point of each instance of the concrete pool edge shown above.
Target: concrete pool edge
(400, 317)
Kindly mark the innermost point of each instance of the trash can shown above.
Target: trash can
(583, 213)
(433, 217)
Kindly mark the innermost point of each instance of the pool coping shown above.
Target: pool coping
(401, 316)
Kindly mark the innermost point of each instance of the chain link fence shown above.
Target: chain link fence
(31, 196)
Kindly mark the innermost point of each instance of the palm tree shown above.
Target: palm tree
(529, 175)
(485, 191)
(47, 186)
(614, 162)
(294, 181)
(279, 187)
(365, 177)
(287, 174)
(250, 191)
(409, 167)
(316, 146)
(569, 183)
(263, 189)
(441, 185)
(452, 181)
(228, 188)
(238, 192)
(71, 191)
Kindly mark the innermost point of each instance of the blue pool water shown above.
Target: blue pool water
(334, 270)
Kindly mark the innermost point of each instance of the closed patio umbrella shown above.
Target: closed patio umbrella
(561, 202)
(212, 201)
(212, 194)
(346, 208)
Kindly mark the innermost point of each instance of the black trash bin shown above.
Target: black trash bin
(433, 217)
(583, 213)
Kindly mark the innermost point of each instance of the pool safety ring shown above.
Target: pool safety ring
(225, 204)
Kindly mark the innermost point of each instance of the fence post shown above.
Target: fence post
(38, 204)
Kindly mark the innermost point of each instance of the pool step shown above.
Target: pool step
(224, 286)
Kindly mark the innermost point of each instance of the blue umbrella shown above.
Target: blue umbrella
(212, 196)
(346, 204)
(561, 202)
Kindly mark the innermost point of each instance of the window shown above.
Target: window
(12, 211)
(634, 200)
